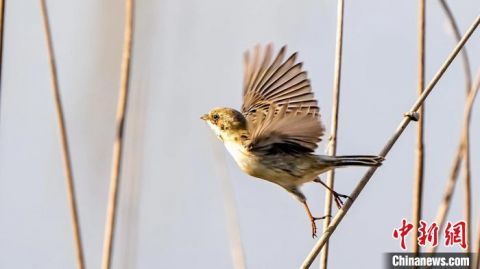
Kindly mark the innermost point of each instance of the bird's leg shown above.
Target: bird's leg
(337, 196)
(299, 195)
(312, 219)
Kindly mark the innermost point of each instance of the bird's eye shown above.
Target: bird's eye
(216, 117)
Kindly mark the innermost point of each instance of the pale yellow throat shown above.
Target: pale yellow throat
(234, 147)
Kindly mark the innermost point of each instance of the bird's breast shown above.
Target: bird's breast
(245, 160)
(254, 165)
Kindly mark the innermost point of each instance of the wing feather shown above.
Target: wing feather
(276, 81)
(278, 103)
(280, 131)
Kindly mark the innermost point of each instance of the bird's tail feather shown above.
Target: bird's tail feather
(357, 160)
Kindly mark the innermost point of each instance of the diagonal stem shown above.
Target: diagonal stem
(398, 132)
(67, 162)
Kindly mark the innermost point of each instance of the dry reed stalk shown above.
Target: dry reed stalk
(467, 178)
(332, 149)
(67, 162)
(467, 168)
(462, 150)
(420, 148)
(411, 115)
(119, 137)
(231, 216)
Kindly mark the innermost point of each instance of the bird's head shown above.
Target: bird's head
(227, 123)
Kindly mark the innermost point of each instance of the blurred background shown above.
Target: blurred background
(187, 58)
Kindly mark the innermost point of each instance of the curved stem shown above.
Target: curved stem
(466, 136)
(467, 167)
(456, 32)
(463, 150)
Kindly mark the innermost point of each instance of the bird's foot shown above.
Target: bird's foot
(314, 225)
(338, 198)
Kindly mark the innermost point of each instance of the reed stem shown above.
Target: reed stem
(420, 147)
(66, 156)
(119, 137)
(332, 149)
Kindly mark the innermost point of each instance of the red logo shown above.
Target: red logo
(455, 234)
(428, 235)
(402, 232)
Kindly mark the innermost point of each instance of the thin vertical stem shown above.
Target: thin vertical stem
(332, 149)
(419, 151)
(467, 188)
(388, 146)
(119, 137)
(67, 162)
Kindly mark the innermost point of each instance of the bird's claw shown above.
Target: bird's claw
(314, 225)
(314, 229)
(338, 199)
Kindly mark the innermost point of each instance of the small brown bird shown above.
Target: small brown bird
(277, 131)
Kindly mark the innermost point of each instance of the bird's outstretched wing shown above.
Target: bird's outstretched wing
(278, 103)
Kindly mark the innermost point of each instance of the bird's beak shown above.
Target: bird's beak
(204, 117)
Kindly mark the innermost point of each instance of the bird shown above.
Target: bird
(274, 135)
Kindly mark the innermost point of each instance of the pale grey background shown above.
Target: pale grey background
(187, 59)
